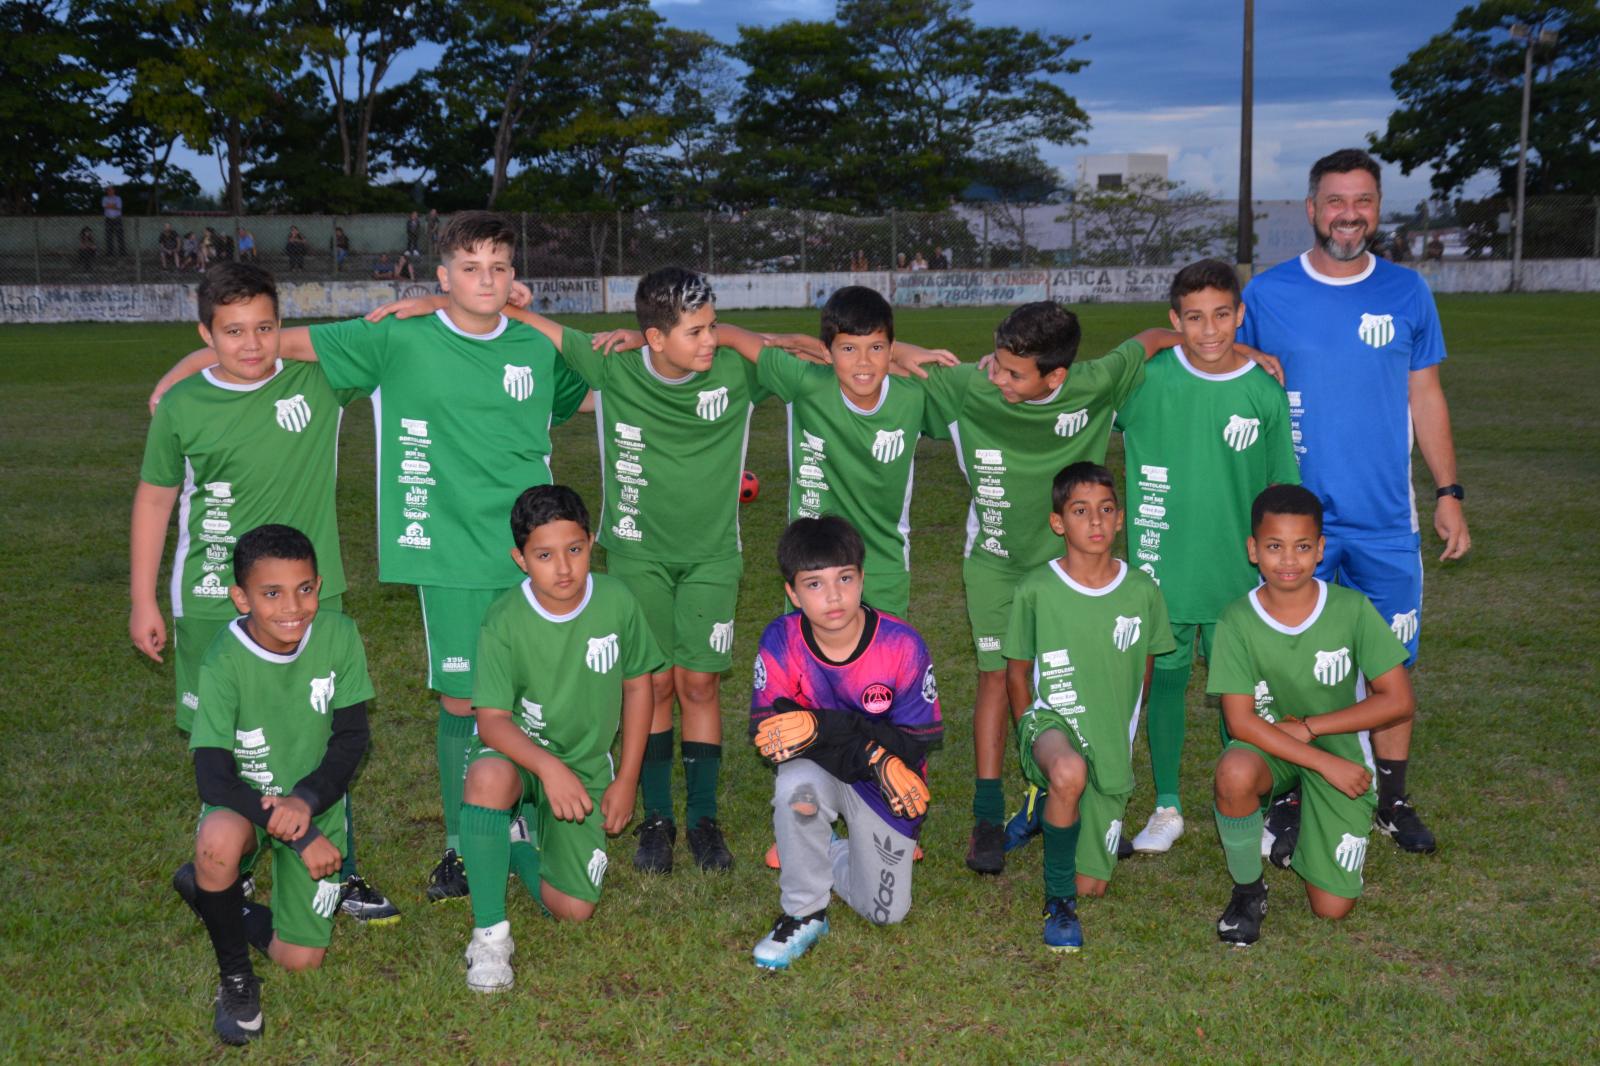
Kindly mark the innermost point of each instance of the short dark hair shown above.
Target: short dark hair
(1206, 274)
(542, 505)
(1285, 499)
(270, 542)
(1070, 477)
(667, 294)
(819, 543)
(468, 229)
(1044, 331)
(858, 311)
(232, 283)
(1343, 162)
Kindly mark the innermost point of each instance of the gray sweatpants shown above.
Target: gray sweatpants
(871, 870)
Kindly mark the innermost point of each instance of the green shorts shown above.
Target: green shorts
(190, 639)
(302, 908)
(989, 593)
(689, 606)
(572, 855)
(1182, 657)
(1099, 813)
(1333, 827)
(888, 589)
(451, 619)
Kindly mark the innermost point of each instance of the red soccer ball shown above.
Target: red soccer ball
(749, 487)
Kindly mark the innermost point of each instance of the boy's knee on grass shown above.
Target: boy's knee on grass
(295, 957)
(565, 908)
(1327, 905)
(1091, 886)
(1239, 781)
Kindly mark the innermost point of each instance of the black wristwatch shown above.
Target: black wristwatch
(1450, 490)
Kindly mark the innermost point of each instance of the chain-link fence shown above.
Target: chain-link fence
(137, 249)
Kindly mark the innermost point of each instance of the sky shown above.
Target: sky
(1163, 77)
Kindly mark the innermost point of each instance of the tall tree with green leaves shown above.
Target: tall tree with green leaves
(52, 107)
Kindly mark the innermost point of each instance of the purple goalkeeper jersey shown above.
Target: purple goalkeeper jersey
(889, 677)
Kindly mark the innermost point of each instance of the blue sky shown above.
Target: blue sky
(1164, 77)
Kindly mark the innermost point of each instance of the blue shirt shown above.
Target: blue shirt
(1348, 347)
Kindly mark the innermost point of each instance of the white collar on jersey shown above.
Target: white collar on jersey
(237, 628)
(247, 386)
(1328, 279)
(650, 365)
(1122, 572)
(1055, 392)
(458, 331)
(1292, 631)
(1183, 361)
(533, 601)
(883, 394)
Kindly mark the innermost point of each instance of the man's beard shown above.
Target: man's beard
(1341, 252)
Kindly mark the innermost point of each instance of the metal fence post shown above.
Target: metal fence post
(138, 252)
(522, 217)
(986, 236)
(38, 274)
(711, 246)
(619, 240)
(1022, 232)
(894, 241)
(802, 242)
(1594, 252)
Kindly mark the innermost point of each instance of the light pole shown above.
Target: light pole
(1521, 31)
(1246, 251)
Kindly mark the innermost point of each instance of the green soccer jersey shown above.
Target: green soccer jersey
(851, 461)
(275, 712)
(1010, 453)
(1088, 648)
(1199, 448)
(561, 676)
(246, 455)
(671, 451)
(463, 427)
(1308, 669)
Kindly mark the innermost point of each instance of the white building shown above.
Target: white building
(1115, 170)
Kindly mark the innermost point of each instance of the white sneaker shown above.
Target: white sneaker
(790, 938)
(489, 958)
(1160, 832)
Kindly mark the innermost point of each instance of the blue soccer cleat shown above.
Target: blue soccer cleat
(1028, 822)
(790, 938)
(1062, 930)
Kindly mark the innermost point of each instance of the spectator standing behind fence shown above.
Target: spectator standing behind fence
(413, 237)
(433, 230)
(247, 246)
(208, 248)
(167, 242)
(295, 247)
(111, 205)
(86, 249)
(189, 252)
(920, 262)
(900, 262)
(404, 266)
(341, 248)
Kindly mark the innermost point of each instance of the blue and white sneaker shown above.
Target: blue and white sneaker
(1062, 930)
(790, 938)
(1028, 822)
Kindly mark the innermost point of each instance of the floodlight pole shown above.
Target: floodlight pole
(1521, 31)
(1245, 256)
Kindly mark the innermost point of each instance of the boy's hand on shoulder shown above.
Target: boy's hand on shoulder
(909, 359)
(290, 817)
(1266, 362)
(618, 340)
(148, 629)
(321, 858)
(800, 345)
(412, 307)
(616, 805)
(1352, 779)
(569, 800)
(521, 295)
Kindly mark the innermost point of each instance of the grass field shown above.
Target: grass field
(1486, 951)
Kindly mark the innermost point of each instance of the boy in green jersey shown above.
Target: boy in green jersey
(1078, 653)
(564, 659)
(280, 726)
(249, 441)
(1305, 669)
(463, 401)
(1204, 433)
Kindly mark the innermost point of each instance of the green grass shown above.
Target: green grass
(1486, 951)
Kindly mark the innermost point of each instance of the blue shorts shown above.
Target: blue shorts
(1387, 571)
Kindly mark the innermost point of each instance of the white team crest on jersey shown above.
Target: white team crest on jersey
(759, 681)
(1241, 432)
(322, 692)
(294, 414)
(532, 715)
(930, 687)
(1351, 853)
(812, 442)
(518, 382)
(889, 445)
(597, 867)
(1113, 834)
(602, 653)
(1377, 330)
(1404, 626)
(1333, 666)
(722, 637)
(1125, 632)
(711, 403)
(1070, 423)
(325, 897)
(1264, 702)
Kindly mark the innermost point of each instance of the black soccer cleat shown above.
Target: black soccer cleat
(657, 836)
(986, 848)
(448, 880)
(1240, 924)
(1283, 824)
(366, 904)
(1405, 827)
(184, 884)
(709, 848)
(237, 1019)
(1124, 846)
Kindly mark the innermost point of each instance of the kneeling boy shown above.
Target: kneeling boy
(563, 660)
(844, 701)
(1289, 662)
(1083, 631)
(280, 727)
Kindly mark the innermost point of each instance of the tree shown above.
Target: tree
(52, 106)
(1149, 221)
(1461, 96)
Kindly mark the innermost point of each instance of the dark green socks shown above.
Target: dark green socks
(988, 801)
(1061, 860)
(702, 765)
(486, 850)
(451, 740)
(1241, 846)
(655, 775)
(1164, 727)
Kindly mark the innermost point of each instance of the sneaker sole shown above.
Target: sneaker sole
(984, 871)
(486, 990)
(1389, 831)
(1148, 850)
(448, 899)
(1064, 949)
(388, 919)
